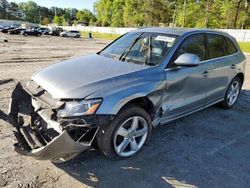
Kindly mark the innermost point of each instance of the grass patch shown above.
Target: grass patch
(245, 46)
(107, 36)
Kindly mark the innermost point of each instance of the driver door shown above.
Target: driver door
(185, 86)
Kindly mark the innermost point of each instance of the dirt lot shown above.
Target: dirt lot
(210, 148)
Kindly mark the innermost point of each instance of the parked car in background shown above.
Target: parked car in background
(114, 98)
(33, 32)
(7, 28)
(71, 33)
(44, 30)
(56, 31)
(16, 31)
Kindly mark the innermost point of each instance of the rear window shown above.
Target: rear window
(230, 46)
(216, 45)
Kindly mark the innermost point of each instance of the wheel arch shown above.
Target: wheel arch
(143, 101)
(241, 77)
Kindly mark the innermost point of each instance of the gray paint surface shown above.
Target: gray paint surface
(175, 91)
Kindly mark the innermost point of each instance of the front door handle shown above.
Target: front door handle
(205, 73)
(232, 66)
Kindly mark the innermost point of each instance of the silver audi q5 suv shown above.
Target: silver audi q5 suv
(113, 99)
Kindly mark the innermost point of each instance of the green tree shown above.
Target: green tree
(59, 20)
(85, 15)
(4, 5)
(103, 9)
(117, 13)
(45, 21)
(133, 13)
(31, 11)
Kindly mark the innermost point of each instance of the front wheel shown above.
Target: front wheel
(126, 134)
(232, 93)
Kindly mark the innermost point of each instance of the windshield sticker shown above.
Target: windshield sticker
(165, 39)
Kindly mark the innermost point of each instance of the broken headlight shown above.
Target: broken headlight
(79, 108)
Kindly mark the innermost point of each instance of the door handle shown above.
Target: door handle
(232, 66)
(205, 73)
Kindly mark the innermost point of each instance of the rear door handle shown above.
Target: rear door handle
(205, 73)
(232, 66)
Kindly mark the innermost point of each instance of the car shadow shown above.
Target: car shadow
(206, 149)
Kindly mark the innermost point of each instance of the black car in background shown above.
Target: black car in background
(33, 32)
(16, 31)
(44, 30)
(6, 29)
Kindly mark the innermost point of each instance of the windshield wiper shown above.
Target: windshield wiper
(125, 53)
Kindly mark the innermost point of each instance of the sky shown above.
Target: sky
(79, 4)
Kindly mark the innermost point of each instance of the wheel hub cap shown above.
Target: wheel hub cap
(233, 93)
(130, 136)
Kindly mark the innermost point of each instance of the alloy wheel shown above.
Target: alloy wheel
(130, 136)
(233, 93)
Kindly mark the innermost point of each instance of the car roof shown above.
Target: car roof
(177, 31)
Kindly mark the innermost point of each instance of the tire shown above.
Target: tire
(109, 137)
(25, 34)
(231, 95)
(38, 35)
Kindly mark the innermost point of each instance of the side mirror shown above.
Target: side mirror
(187, 60)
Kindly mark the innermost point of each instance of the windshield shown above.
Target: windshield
(140, 48)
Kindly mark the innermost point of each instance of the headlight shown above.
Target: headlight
(79, 108)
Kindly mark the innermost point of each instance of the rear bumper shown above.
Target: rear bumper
(40, 136)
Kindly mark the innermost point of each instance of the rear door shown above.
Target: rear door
(220, 66)
(186, 86)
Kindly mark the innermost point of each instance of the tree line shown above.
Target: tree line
(32, 12)
(136, 13)
(177, 13)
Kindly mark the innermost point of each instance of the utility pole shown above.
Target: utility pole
(245, 14)
(174, 16)
(184, 13)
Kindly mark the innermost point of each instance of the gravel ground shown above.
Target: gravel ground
(210, 148)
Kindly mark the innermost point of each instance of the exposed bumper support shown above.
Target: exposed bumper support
(34, 134)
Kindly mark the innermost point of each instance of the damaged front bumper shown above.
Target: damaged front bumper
(40, 134)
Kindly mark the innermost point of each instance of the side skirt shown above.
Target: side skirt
(167, 119)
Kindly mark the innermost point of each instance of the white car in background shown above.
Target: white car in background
(70, 33)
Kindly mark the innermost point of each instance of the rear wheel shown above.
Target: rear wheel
(126, 134)
(232, 93)
(38, 34)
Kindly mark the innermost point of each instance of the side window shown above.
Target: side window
(216, 46)
(230, 46)
(194, 44)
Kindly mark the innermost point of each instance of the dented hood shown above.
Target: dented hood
(82, 76)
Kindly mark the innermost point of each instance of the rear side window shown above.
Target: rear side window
(194, 44)
(230, 46)
(216, 45)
